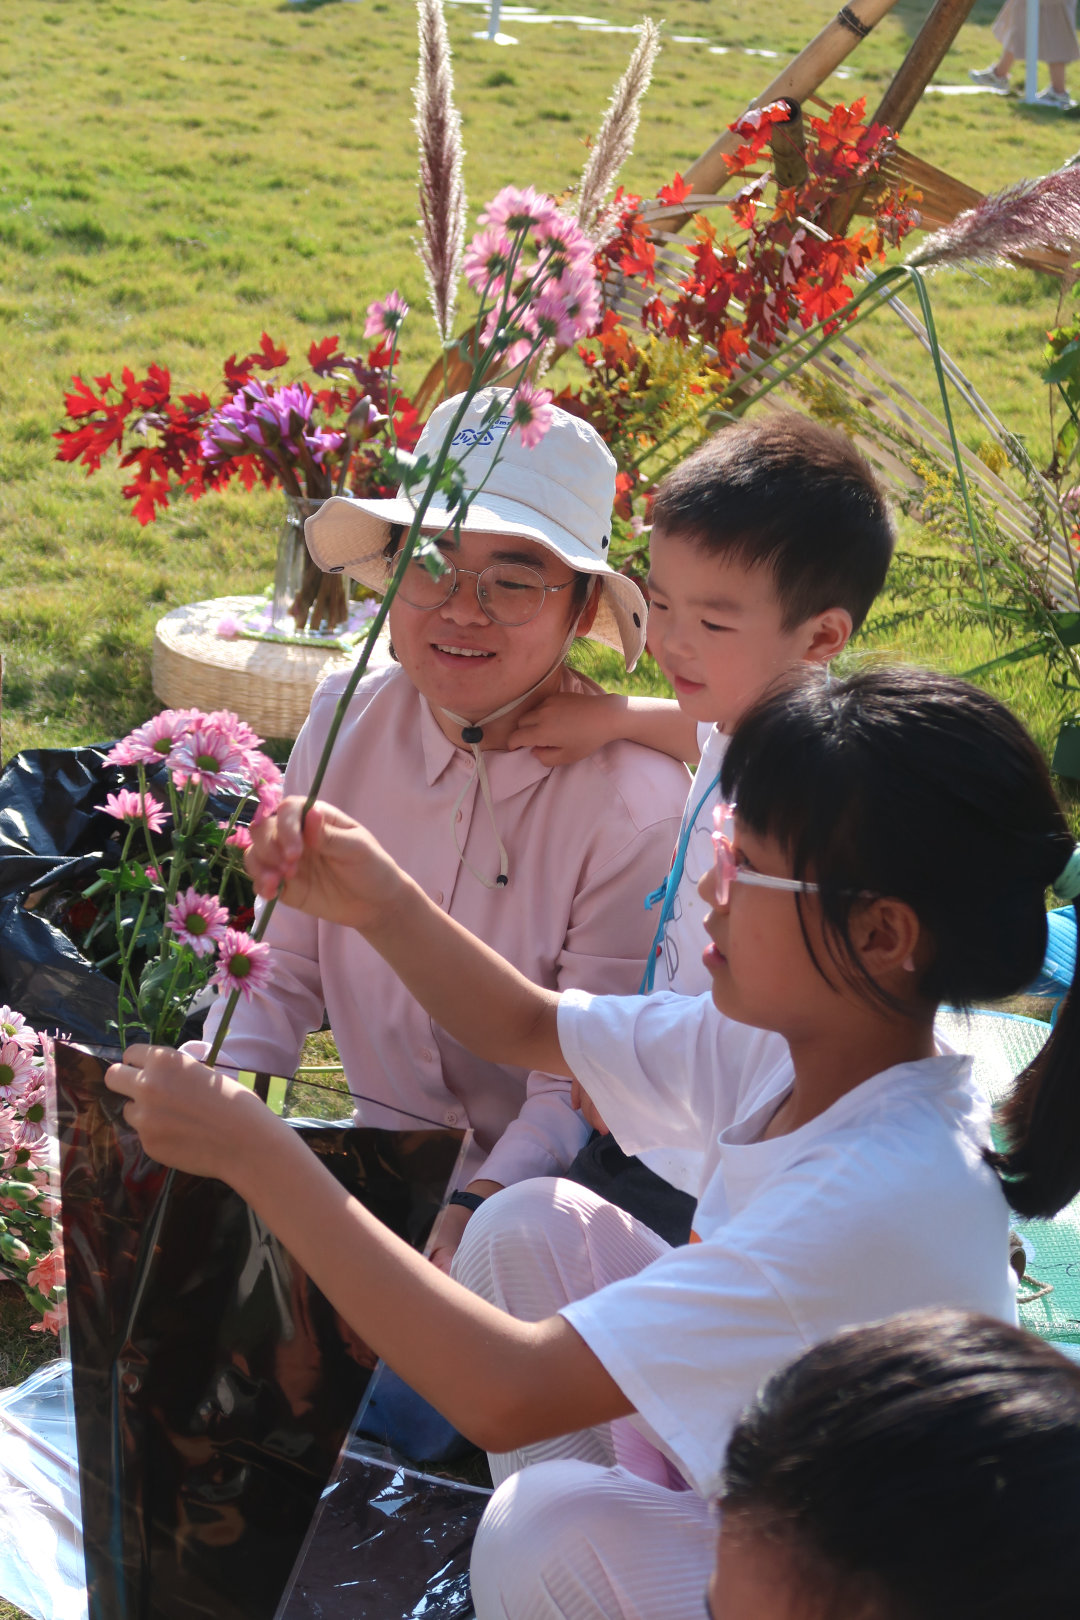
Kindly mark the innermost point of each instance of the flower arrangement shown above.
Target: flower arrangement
(29, 1249)
(310, 442)
(729, 298)
(161, 919)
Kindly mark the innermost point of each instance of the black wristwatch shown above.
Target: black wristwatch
(467, 1200)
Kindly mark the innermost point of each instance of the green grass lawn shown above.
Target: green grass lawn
(174, 180)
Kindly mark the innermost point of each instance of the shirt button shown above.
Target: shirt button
(451, 1117)
(425, 1054)
(439, 897)
(459, 815)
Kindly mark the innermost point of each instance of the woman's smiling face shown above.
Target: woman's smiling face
(458, 658)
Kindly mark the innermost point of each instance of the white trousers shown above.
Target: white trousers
(595, 1525)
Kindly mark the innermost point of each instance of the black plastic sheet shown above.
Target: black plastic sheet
(214, 1385)
(389, 1544)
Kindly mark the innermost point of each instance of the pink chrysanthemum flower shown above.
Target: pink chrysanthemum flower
(243, 735)
(562, 244)
(13, 1027)
(239, 838)
(384, 316)
(208, 757)
(243, 964)
(531, 413)
(198, 920)
(549, 318)
(487, 258)
(127, 805)
(514, 209)
(154, 741)
(16, 1070)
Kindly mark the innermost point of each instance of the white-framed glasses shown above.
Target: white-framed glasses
(508, 593)
(727, 872)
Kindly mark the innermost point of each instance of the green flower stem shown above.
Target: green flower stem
(158, 1033)
(123, 950)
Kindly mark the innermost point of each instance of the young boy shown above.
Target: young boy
(768, 546)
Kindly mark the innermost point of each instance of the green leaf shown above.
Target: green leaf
(1066, 365)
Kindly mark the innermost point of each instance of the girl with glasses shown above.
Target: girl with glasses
(893, 839)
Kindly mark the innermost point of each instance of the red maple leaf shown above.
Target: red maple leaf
(237, 373)
(81, 402)
(324, 356)
(677, 192)
(268, 357)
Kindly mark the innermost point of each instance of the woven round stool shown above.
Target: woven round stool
(269, 684)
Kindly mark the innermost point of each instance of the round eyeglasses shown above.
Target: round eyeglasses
(727, 872)
(509, 593)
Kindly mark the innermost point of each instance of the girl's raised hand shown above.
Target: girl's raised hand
(187, 1116)
(327, 865)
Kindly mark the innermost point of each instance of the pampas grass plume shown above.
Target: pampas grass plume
(1033, 214)
(441, 182)
(615, 138)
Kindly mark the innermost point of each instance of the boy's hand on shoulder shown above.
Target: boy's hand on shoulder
(569, 726)
(188, 1116)
(327, 865)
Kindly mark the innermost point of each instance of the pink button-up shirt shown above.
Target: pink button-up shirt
(586, 843)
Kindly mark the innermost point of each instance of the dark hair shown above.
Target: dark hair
(926, 1467)
(785, 493)
(918, 786)
(578, 597)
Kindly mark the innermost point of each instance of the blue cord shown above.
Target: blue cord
(667, 891)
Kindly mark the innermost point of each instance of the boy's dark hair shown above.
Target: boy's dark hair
(922, 1468)
(906, 783)
(785, 493)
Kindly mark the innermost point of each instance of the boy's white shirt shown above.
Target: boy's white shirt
(883, 1203)
(679, 967)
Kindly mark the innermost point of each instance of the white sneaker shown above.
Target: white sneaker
(1055, 98)
(991, 79)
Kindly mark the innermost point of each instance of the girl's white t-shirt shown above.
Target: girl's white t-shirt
(884, 1203)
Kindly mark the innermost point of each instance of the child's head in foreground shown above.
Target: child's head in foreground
(919, 820)
(768, 546)
(922, 1468)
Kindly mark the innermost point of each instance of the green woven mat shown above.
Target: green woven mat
(1002, 1045)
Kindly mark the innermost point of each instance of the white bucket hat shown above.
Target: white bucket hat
(559, 493)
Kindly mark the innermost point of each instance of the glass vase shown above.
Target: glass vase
(306, 601)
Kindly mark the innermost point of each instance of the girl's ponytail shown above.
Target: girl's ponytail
(1041, 1168)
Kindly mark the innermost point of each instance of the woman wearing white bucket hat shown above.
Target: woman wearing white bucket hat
(548, 865)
